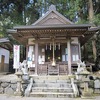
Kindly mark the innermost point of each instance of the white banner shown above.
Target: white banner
(16, 52)
(30, 56)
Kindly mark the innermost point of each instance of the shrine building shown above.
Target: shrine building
(53, 43)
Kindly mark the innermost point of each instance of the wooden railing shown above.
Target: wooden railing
(48, 69)
(53, 70)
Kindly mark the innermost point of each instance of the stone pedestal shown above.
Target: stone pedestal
(19, 90)
(82, 77)
(97, 86)
(86, 93)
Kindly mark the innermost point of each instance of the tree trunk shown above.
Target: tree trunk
(90, 10)
(91, 16)
(85, 52)
(94, 49)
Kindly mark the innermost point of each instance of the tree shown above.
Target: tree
(16, 12)
(91, 17)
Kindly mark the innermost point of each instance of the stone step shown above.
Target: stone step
(39, 85)
(53, 89)
(63, 81)
(51, 94)
(51, 81)
(59, 85)
(52, 77)
(52, 85)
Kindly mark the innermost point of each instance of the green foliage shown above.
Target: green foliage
(97, 19)
(5, 23)
(16, 12)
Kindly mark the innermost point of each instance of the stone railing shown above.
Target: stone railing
(74, 86)
(29, 88)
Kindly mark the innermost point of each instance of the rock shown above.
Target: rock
(4, 85)
(1, 90)
(91, 90)
(9, 91)
(13, 86)
(5, 80)
(97, 84)
(14, 81)
(91, 84)
(24, 86)
(96, 91)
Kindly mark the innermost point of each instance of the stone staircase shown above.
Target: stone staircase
(52, 86)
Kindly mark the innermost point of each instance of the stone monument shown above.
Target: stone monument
(81, 76)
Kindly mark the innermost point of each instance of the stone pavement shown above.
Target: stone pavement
(8, 97)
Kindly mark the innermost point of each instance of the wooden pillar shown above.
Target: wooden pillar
(79, 50)
(26, 52)
(69, 55)
(36, 58)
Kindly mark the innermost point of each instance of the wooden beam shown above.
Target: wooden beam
(50, 30)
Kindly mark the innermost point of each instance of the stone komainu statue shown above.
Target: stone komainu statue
(81, 66)
(24, 69)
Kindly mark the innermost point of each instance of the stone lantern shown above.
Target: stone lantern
(19, 90)
(86, 93)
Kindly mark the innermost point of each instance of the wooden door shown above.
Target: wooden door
(2, 62)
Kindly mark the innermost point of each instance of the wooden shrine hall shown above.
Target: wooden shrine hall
(53, 43)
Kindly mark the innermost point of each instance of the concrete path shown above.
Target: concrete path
(7, 97)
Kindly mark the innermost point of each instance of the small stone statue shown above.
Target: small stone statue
(24, 69)
(81, 66)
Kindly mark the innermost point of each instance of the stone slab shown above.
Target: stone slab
(4, 85)
(9, 91)
(1, 90)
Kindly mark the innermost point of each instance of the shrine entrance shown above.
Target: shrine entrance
(53, 59)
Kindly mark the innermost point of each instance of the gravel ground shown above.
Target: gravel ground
(7, 97)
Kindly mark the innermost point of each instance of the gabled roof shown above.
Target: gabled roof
(53, 23)
(52, 17)
(50, 27)
(6, 44)
(3, 40)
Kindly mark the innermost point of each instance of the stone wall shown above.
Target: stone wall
(9, 86)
